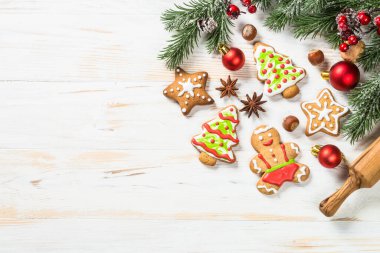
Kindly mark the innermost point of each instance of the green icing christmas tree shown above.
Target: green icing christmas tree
(218, 137)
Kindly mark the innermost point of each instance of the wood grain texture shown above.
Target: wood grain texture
(94, 158)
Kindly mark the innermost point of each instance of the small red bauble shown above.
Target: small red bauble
(329, 156)
(352, 40)
(364, 18)
(378, 31)
(233, 11)
(376, 21)
(233, 58)
(342, 18)
(342, 26)
(343, 47)
(245, 2)
(344, 76)
(252, 9)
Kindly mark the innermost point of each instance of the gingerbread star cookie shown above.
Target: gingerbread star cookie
(323, 114)
(188, 90)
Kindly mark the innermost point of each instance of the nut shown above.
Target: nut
(316, 57)
(290, 123)
(291, 91)
(249, 32)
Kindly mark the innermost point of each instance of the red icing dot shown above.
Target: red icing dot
(203, 135)
(271, 56)
(286, 72)
(234, 131)
(231, 109)
(279, 86)
(229, 149)
(221, 144)
(294, 70)
(287, 62)
(217, 123)
(270, 65)
(293, 78)
(268, 81)
(262, 60)
(280, 58)
(212, 140)
(301, 71)
(284, 80)
(264, 71)
(282, 66)
(277, 76)
(274, 70)
(270, 90)
(226, 128)
(263, 50)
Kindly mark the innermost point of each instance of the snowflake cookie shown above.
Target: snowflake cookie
(277, 71)
(323, 114)
(188, 90)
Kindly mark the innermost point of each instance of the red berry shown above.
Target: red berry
(363, 17)
(378, 31)
(342, 26)
(343, 47)
(245, 2)
(342, 18)
(233, 11)
(376, 21)
(352, 40)
(252, 9)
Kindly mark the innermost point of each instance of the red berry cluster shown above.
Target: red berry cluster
(234, 12)
(353, 25)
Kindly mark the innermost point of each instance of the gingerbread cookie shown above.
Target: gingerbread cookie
(323, 114)
(218, 137)
(277, 71)
(188, 90)
(275, 163)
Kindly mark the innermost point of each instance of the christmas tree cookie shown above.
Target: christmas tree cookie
(276, 71)
(218, 137)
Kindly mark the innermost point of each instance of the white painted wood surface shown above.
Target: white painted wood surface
(94, 158)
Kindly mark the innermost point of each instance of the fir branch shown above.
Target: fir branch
(263, 4)
(370, 59)
(364, 117)
(284, 14)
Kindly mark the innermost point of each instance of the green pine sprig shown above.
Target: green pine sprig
(183, 22)
(365, 103)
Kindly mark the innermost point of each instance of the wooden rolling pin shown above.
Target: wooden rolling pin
(364, 172)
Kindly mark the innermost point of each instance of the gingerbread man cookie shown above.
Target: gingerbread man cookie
(277, 71)
(275, 163)
(323, 114)
(218, 137)
(188, 90)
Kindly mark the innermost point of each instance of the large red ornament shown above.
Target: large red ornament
(329, 156)
(233, 58)
(343, 75)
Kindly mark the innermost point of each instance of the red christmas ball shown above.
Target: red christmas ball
(329, 156)
(233, 11)
(363, 17)
(344, 75)
(252, 9)
(376, 21)
(352, 40)
(344, 47)
(342, 18)
(245, 2)
(234, 59)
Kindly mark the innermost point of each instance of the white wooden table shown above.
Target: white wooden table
(95, 159)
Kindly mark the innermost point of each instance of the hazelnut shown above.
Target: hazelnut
(290, 123)
(249, 32)
(316, 57)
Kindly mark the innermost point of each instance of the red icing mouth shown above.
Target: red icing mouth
(268, 143)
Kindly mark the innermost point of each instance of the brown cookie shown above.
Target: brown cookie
(323, 114)
(276, 71)
(188, 90)
(275, 163)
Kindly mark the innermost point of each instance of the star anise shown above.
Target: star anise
(228, 88)
(253, 105)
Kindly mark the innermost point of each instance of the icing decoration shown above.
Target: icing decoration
(295, 148)
(219, 135)
(270, 189)
(265, 161)
(321, 114)
(256, 167)
(276, 69)
(279, 176)
(284, 152)
(188, 87)
(303, 173)
(279, 166)
(262, 130)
